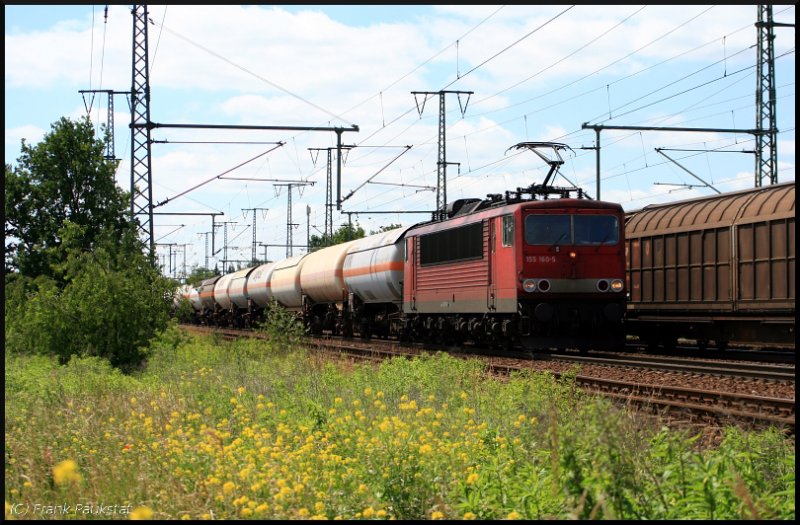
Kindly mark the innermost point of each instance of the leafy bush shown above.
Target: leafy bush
(283, 327)
(114, 302)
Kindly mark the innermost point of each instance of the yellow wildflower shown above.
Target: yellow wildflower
(472, 478)
(142, 513)
(514, 515)
(436, 515)
(469, 516)
(66, 472)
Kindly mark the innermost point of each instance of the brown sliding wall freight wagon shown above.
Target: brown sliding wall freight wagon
(719, 268)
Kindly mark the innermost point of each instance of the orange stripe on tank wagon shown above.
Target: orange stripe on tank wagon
(396, 266)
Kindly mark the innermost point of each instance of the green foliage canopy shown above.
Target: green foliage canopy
(65, 177)
(346, 232)
(198, 275)
(77, 279)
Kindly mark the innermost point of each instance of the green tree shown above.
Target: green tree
(199, 274)
(346, 232)
(63, 178)
(77, 280)
(388, 227)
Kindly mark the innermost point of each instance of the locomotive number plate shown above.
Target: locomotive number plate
(546, 259)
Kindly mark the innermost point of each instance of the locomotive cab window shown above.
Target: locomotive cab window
(548, 229)
(508, 230)
(553, 230)
(595, 229)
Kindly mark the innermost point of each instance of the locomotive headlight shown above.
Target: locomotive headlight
(544, 285)
(617, 285)
(529, 285)
(602, 285)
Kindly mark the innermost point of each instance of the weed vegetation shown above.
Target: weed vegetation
(247, 429)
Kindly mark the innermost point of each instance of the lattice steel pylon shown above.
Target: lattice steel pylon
(441, 163)
(141, 175)
(767, 132)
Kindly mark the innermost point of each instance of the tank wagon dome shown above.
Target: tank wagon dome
(259, 288)
(713, 211)
(321, 276)
(285, 282)
(373, 268)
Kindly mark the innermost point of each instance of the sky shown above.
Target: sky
(505, 74)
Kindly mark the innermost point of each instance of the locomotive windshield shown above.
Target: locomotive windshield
(583, 230)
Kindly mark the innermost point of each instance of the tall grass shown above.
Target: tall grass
(215, 429)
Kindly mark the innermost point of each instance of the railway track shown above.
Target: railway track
(688, 366)
(669, 398)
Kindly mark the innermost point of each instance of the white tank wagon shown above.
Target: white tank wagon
(259, 287)
(206, 292)
(321, 277)
(236, 298)
(324, 291)
(194, 299)
(222, 312)
(181, 294)
(285, 282)
(373, 268)
(221, 292)
(373, 274)
(238, 290)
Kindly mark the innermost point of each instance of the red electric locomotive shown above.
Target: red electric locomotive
(546, 272)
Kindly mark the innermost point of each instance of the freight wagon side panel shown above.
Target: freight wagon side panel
(766, 265)
(682, 270)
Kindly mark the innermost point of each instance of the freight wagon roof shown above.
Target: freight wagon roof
(751, 205)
